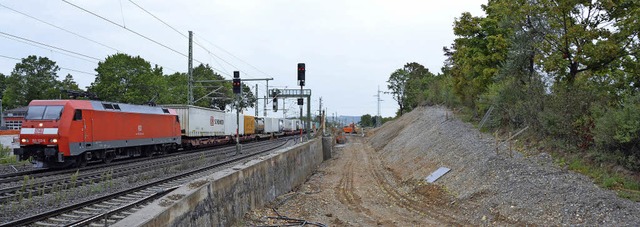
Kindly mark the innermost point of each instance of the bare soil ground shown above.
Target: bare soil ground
(378, 180)
(355, 189)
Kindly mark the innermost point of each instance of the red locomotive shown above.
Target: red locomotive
(60, 133)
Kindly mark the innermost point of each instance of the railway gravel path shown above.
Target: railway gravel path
(379, 180)
(59, 195)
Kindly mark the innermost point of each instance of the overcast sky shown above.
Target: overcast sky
(349, 47)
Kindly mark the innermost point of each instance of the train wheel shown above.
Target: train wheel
(147, 152)
(108, 157)
(81, 161)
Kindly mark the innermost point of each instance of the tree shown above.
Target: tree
(3, 84)
(366, 120)
(248, 99)
(417, 85)
(476, 54)
(397, 84)
(580, 36)
(176, 92)
(127, 79)
(69, 84)
(210, 94)
(33, 78)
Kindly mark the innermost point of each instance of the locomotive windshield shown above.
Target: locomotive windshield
(43, 112)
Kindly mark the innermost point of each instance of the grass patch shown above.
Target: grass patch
(626, 186)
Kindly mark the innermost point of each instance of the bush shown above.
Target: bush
(619, 127)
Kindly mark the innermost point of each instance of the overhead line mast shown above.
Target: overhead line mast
(190, 63)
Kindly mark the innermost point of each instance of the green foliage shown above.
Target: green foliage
(210, 94)
(397, 84)
(476, 55)
(69, 84)
(578, 36)
(3, 84)
(366, 120)
(127, 79)
(408, 85)
(32, 78)
(568, 70)
(176, 92)
(618, 128)
(6, 156)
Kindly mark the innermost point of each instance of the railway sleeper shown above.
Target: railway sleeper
(71, 216)
(45, 224)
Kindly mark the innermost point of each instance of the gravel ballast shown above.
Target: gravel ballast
(495, 186)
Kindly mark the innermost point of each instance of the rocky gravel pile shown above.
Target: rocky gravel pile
(495, 186)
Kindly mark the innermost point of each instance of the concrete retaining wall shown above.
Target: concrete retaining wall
(8, 141)
(223, 198)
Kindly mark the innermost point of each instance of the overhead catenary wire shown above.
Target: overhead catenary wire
(50, 47)
(69, 69)
(132, 31)
(58, 27)
(223, 71)
(239, 59)
(76, 34)
(157, 18)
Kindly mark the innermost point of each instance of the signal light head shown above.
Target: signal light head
(236, 85)
(301, 72)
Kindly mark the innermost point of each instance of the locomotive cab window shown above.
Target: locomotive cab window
(107, 106)
(77, 115)
(44, 112)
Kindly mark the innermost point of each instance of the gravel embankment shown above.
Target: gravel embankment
(519, 189)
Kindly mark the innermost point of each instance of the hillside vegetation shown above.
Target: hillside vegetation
(567, 70)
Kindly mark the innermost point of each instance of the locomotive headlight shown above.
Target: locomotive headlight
(24, 140)
(40, 124)
(54, 140)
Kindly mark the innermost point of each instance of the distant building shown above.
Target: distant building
(13, 118)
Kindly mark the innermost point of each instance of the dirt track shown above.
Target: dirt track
(379, 180)
(355, 188)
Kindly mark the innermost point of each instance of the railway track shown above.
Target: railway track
(27, 187)
(113, 207)
(37, 173)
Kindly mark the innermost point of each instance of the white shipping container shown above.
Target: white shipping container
(198, 121)
(288, 125)
(271, 125)
(230, 127)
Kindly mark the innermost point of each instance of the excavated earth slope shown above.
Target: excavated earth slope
(518, 189)
(379, 180)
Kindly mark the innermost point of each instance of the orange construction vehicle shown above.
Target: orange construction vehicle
(351, 128)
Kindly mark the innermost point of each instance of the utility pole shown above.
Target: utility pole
(257, 101)
(378, 117)
(320, 108)
(1, 114)
(190, 92)
(265, 98)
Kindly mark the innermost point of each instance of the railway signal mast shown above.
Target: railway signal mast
(301, 72)
(237, 90)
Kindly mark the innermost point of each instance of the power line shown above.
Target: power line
(78, 71)
(185, 36)
(132, 31)
(47, 45)
(55, 26)
(74, 70)
(157, 18)
(74, 33)
(216, 46)
(137, 33)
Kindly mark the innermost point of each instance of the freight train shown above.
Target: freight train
(63, 133)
